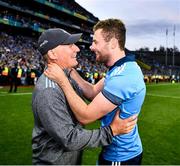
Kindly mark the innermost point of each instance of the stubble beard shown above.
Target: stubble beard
(102, 59)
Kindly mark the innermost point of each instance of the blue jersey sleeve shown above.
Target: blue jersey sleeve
(126, 92)
(119, 87)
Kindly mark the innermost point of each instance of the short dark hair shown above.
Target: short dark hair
(112, 28)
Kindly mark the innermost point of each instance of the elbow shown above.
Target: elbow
(70, 147)
(67, 148)
(69, 144)
(88, 98)
(89, 95)
(84, 117)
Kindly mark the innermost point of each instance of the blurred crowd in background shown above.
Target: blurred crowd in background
(22, 64)
(20, 52)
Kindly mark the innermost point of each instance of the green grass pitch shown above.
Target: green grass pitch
(159, 127)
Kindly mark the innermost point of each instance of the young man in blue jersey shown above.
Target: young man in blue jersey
(122, 89)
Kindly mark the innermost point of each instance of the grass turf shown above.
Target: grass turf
(159, 126)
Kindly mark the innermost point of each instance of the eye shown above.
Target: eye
(71, 45)
(95, 42)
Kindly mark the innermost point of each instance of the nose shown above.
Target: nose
(91, 48)
(76, 48)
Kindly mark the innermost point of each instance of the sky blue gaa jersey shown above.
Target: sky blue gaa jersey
(124, 86)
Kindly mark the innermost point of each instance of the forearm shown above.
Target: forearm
(83, 112)
(89, 90)
(58, 123)
(78, 106)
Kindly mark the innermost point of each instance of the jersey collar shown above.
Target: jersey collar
(127, 58)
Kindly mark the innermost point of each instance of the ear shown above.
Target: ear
(114, 43)
(52, 55)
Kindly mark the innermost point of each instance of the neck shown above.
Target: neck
(115, 56)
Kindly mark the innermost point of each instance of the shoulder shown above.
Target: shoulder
(47, 89)
(44, 83)
(124, 80)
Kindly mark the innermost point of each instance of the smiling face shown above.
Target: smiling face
(100, 47)
(65, 55)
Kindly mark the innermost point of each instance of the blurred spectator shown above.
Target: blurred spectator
(14, 76)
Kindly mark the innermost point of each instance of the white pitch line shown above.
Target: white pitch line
(167, 84)
(155, 95)
(14, 94)
(29, 93)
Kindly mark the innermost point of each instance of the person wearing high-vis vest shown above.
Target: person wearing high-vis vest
(19, 74)
(15, 74)
(5, 71)
(4, 75)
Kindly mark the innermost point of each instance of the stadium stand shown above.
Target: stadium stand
(21, 22)
(20, 25)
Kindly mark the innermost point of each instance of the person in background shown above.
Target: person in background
(13, 78)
